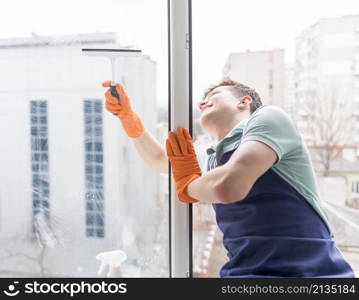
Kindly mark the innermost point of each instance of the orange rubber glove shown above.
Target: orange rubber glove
(184, 164)
(129, 119)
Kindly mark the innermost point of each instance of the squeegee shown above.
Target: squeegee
(112, 54)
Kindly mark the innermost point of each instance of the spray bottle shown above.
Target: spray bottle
(113, 259)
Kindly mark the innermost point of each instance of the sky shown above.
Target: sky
(220, 27)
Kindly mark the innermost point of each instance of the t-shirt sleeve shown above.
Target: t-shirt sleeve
(273, 127)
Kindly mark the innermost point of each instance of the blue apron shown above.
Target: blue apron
(274, 232)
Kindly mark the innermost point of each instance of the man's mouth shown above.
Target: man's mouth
(207, 106)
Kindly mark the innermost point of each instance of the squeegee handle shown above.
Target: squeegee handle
(114, 93)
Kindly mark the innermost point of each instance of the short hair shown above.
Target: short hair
(238, 90)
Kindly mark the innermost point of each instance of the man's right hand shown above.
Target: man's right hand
(122, 108)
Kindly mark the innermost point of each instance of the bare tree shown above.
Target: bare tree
(328, 115)
(32, 246)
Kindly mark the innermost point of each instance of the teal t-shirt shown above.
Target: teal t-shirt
(272, 126)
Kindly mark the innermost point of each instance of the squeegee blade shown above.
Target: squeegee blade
(110, 52)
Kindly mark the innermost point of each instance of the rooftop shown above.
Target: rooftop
(59, 40)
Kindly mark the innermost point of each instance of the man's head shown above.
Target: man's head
(225, 104)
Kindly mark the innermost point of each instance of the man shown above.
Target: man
(259, 178)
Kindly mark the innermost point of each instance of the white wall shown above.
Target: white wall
(253, 68)
(333, 189)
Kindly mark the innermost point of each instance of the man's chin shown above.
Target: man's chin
(205, 113)
(205, 120)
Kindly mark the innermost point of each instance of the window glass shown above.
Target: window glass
(67, 191)
(301, 58)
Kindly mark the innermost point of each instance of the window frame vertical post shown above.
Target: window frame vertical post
(180, 115)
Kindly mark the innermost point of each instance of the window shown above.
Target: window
(270, 86)
(104, 196)
(39, 159)
(270, 58)
(260, 63)
(63, 174)
(355, 187)
(95, 217)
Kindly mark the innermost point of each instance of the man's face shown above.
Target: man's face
(220, 103)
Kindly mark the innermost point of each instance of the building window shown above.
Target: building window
(270, 86)
(39, 159)
(270, 58)
(93, 145)
(355, 187)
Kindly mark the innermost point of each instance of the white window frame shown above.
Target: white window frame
(180, 115)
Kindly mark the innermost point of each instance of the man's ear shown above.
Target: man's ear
(244, 101)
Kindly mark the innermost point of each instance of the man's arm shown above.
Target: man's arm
(151, 152)
(233, 181)
(146, 145)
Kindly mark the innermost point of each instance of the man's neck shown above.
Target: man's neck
(224, 130)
